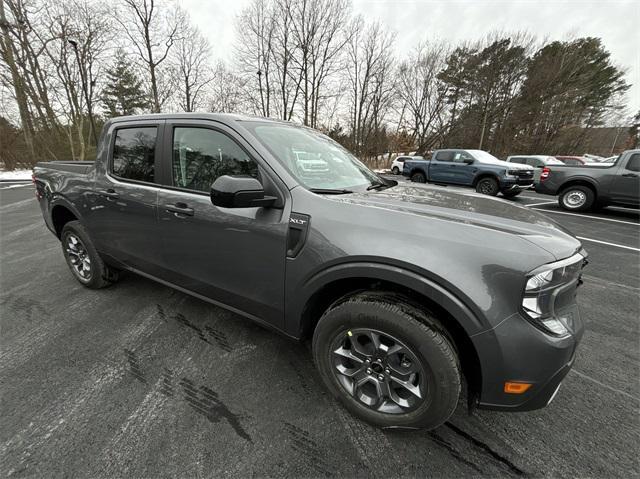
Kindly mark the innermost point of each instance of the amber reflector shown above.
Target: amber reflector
(516, 388)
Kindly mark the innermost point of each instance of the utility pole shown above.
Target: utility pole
(74, 44)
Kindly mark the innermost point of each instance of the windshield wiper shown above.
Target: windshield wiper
(375, 186)
(329, 191)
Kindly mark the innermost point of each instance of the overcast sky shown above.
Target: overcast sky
(616, 22)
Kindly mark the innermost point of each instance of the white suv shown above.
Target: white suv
(398, 163)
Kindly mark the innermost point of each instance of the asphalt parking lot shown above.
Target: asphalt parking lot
(140, 380)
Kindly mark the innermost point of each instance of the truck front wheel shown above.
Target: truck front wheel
(487, 186)
(418, 177)
(387, 361)
(83, 259)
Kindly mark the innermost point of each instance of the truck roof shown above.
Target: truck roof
(194, 116)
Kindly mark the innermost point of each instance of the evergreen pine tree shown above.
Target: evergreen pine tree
(123, 94)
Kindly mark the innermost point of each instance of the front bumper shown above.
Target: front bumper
(516, 184)
(516, 350)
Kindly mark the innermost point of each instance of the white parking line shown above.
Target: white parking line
(586, 216)
(610, 388)
(14, 186)
(608, 244)
(543, 203)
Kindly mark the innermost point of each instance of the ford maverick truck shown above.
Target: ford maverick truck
(282, 225)
(580, 188)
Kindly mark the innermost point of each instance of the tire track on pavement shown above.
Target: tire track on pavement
(62, 417)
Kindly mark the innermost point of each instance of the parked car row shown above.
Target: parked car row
(580, 187)
(537, 161)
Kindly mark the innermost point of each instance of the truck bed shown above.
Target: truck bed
(81, 167)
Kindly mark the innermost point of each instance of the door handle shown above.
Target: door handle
(179, 209)
(630, 175)
(110, 193)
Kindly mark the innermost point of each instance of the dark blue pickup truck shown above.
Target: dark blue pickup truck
(475, 168)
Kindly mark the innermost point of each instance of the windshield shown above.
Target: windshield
(314, 159)
(553, 161)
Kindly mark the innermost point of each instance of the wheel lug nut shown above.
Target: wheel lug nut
(368, 371)
(381, 377)
(388, 371)
(367, 360)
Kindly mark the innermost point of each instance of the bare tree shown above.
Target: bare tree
(14, 79)
(191, 59)
(421, 94)
(153, 30)
(370, 61)
(256, 29)
(227, 91)
(320, 34)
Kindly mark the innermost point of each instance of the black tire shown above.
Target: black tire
(418, 177)
(576, 198)
(77, 248)
(487, 186)
(395, 170)
(511, 194)
(428, 351)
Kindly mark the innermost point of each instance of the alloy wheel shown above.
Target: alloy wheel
(78, 257)
(486, 187)
(378, 370)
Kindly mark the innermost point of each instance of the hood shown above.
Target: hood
(473, 209)
(506, 164)
(488, 159)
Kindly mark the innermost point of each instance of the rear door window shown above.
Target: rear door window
(445, 155)
(134, 152)
(634, 162)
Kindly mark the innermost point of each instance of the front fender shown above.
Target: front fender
(458, 306)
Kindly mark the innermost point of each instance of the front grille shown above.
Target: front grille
(526, 174)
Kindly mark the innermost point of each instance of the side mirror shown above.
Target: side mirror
(239, 192)
(468, 161)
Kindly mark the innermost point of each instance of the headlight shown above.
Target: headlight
(549, 285)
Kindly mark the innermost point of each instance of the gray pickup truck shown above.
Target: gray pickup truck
(580, 188)
(280, 224)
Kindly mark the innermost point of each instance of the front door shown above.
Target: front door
(122, 217)
(626, 184)
(235, 256)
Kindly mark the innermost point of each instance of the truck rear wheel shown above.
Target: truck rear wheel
(83, 259)
(576, 198)
(418, 177)
(389, 364)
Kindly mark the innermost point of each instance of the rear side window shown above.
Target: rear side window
(134, 152)
(518, 159)
(201, 155)
(634, 162)
(444, 156)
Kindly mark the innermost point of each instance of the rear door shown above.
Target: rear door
(625, 187)
(123, 216)
(235, 256)
(441, 167)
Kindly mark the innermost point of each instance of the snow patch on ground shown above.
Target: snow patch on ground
(15, 175)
